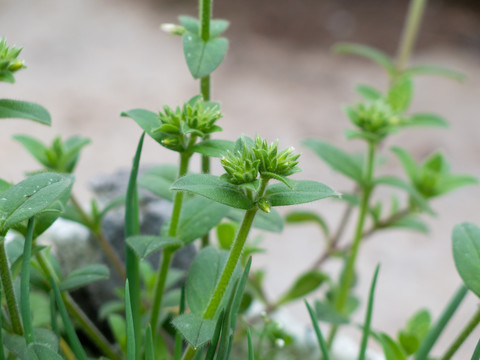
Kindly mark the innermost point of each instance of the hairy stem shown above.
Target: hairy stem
(7, 284)
(410, 32)
(347, 278)
(168, 253)
(467, 330)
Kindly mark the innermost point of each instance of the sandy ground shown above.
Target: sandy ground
(89, 60)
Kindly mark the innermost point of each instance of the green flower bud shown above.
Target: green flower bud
(283, 163)
(9, 62)
(240, 167)
(173, 29)
(264, 205)
(375, 117)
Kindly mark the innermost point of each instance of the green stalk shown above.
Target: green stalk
(347, 278)
(410, 32)
(2, 354)
(77, 313)
(232, 261)
(25, 284)
(7, 285)
(439, 326)
(132, 228)
(467, 330)
(168, 253)
(368, 317)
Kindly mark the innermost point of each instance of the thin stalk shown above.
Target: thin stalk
(25, 284)
(464, 334)
(106, 246)
(347, 278)
(7, 285)
(232, 261)
(410, 32)
(168, 253)
(437, 329)
(77, 313)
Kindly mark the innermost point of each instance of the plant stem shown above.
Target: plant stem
(347, 278)
(7, 285)
(168, 253)
(77, 313)
(25, 284)
(107, 248)
(467, 330)
(410, 32)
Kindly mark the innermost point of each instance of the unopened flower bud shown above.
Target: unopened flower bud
(264, 205)
(173, 29)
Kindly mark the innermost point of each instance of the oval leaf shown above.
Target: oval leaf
(10, 109)
(203, 57)
(305, 284)
(195, 330)
(41, 352)
(84, 276)
(214, 148)
(466, 253)
(304, 191)
(31, 196)
(147, 120)
(144, 245)
(213, 188)
(159, 179)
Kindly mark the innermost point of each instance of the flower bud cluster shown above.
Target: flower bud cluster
(282, 163)
(430, 174)
(376, 117)
(243, 166)
(9, 62)
(194, 118)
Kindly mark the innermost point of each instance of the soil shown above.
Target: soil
(88, 60)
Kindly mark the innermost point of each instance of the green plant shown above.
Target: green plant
(149, 320)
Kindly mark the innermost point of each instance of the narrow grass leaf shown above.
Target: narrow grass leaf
(339, 160)
(84, 276)
(368, 317)
(69, 329)
(367, 52)
(145, 245)
(195, 330)
(251, 353)
(304, 191)
(318, 332)
(466, 253)
(15, 109)
(476, 353)
(131, 344)
(213, 188)
(25, 285)
(216, 336)
(149, 349)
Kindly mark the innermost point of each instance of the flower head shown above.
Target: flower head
(281, 163)
(241, 166)
(9, 62)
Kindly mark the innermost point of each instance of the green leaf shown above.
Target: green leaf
(10, 109)
(203, 57)
(195, 330)
(327, 313)
(147, 120)
(41, 352)
(226, 235)
(271, 221)
(321, 341)
(391, 349)
(304, 191)
(202, 279)
(84, 276)
(199, 215)
(466, 253)
(367, 52)
(36, 148)
(337, 159)
(214, 148)
(131, 344)
(368, 316)
(400, 94)
(149, 348)
(144, 245)
(407, 161)
(411, 223)
(305, 216)
(417, 328)
(434, 70)
(400, 184)
(159, 179)
(426, 119)
(303, 285)
(17, 345)
(450, 182)
(368, 92)
(217, 26)
(31, 196)
(213, 188)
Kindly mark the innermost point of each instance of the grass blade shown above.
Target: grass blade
(318, 332)
(25, 284)
(132, 263)
(149, 350)
(69, 329)
(251, 355)
(130, 327)
(476, 353)
(178, 337)
(368, 317)
(438, 328)
(216, 337)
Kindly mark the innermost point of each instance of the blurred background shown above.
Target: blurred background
(89, 60)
